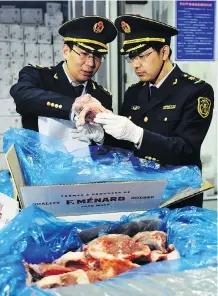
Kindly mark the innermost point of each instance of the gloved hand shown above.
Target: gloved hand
(89, 132)
(86, 107)
(120, 127)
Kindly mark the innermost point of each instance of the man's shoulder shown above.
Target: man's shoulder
(38, 70)
(191, 80)
(96, 86)
(136, 85)
(39, 67)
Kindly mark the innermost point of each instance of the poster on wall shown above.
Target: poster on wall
(195, 21)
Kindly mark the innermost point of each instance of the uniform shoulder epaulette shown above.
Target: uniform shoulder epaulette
(103, 89)
(192, 79)
(136, 84)
(39, 67)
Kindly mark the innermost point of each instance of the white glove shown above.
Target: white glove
(86, 105)
(120, 127)
(75, 134)
(90, 131)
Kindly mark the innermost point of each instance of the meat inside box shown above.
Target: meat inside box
(90, 198)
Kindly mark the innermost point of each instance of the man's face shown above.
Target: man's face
(81, 65)
(147, 64)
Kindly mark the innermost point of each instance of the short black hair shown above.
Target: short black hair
(157, 47)
(70, 44)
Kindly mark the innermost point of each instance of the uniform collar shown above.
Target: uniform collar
(162, 81)
(70, 80)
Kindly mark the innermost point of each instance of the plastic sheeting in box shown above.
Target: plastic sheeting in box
(44, 161)
(192, 230)
(6, 186)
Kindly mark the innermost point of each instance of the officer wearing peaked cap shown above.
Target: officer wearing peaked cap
(44, 95)
(166, 115)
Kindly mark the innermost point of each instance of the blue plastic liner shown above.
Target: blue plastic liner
(37, 236)
(45, 161)
(6, 186)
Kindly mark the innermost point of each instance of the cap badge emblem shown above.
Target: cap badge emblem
(126, 28)
(98, 27)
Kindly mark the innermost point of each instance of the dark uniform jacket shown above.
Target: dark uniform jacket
(46, 91)
(175, 121)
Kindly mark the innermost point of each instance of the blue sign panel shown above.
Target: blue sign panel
(196, 25)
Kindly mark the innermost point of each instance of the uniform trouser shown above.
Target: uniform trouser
(196, 201)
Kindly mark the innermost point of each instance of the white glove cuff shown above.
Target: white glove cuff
(101, 142)
(137, 136)
(72, 115)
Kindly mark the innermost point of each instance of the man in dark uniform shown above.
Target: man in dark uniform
(166, 115)
(44, 95)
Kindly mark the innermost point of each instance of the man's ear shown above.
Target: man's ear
(65, 51)
(166, 52)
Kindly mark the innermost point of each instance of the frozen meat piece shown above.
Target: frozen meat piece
(116, 246)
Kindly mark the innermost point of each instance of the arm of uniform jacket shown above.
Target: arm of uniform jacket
(184, 145)
(30, 98)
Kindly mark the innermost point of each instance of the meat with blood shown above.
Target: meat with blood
(110, 268)
(155, 240)
(74, 257)
(76, 277)
(114, 246)
(86, 107)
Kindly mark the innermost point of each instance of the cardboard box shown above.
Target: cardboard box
(93, 198)
(10, 15)
(44, 35)
(4, 32)
(53, 20)
(57, 38)
(46, 55)
(5, 65)
(30, 34)
(186, 194)
(7, 122)
(5, 85)
(16, 66)
(5, 50)
(17, 50)
(31, 54)
(53, 8)
(90, 198)
(7, 107)
(32, 16)
(57, 53)
(16, 33)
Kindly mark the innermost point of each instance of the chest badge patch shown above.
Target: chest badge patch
(135, 107)
(204, 105)
(169, 107)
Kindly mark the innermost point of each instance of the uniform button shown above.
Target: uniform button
(48, 104)
(150, 158)
(154, 159)
(165, 119)
(60, 106)
(52, 104)
(145, 119)
(130, 117)
(56, 105)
